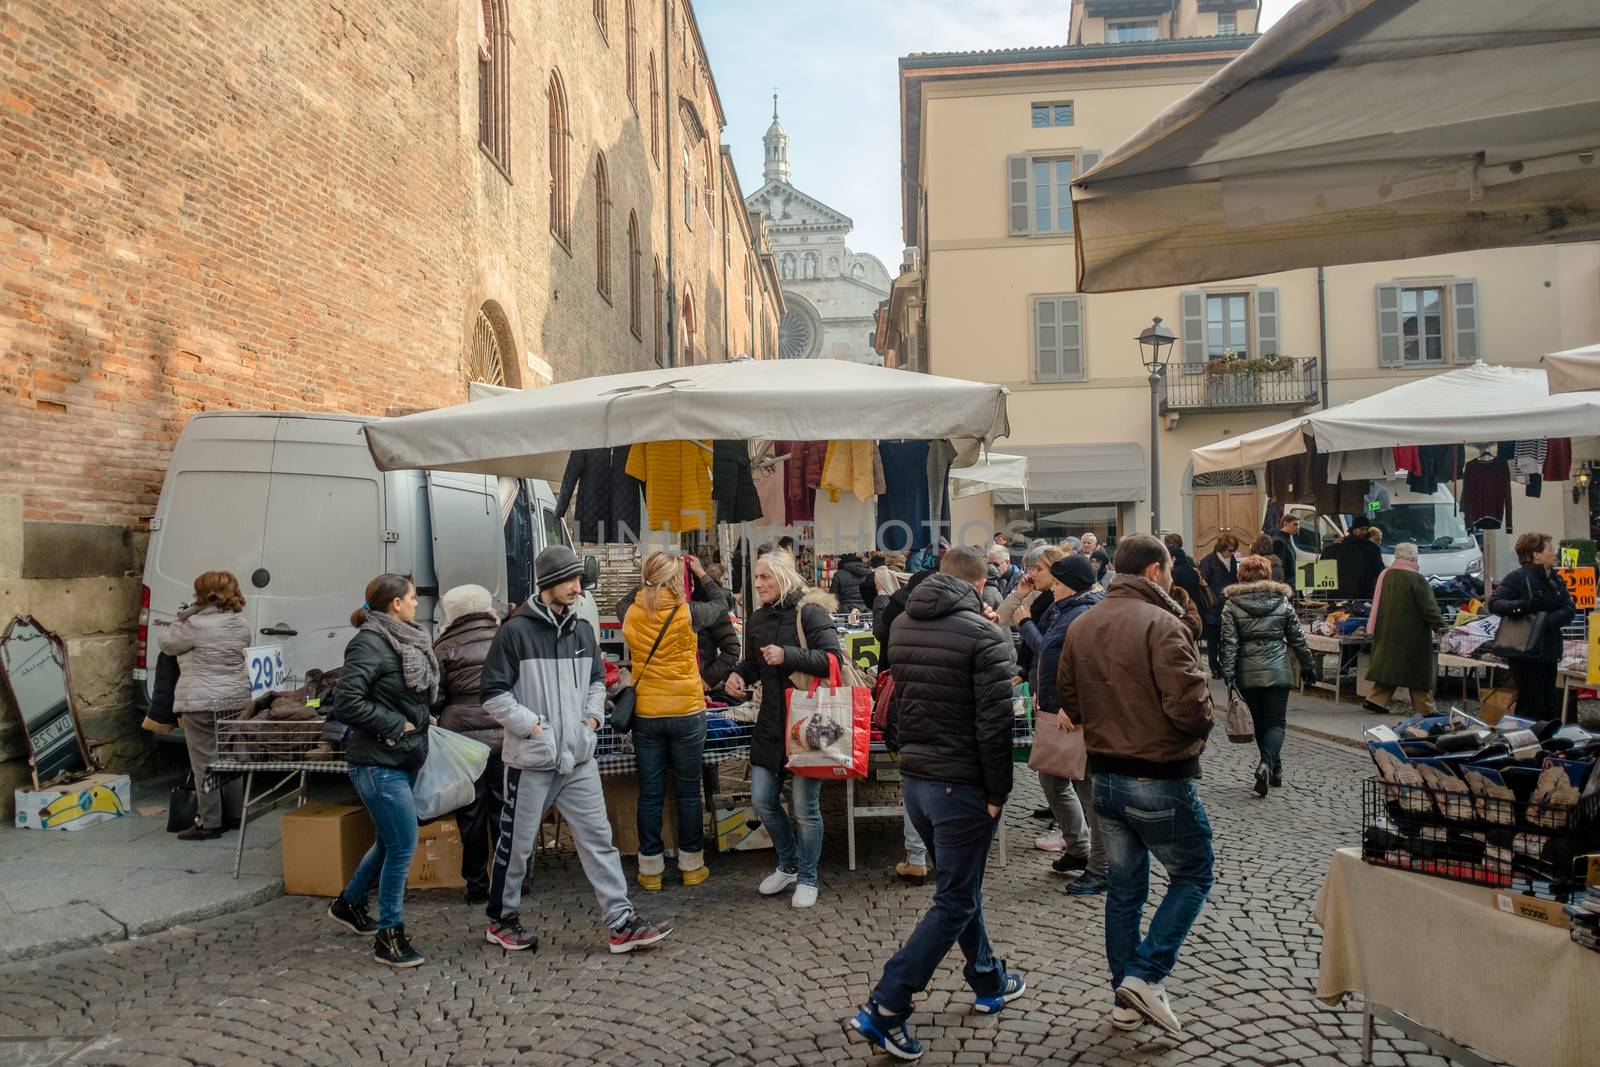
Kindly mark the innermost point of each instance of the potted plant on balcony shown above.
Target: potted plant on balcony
(1233, 378)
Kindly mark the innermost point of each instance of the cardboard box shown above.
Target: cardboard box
(1594, 869)
(734, 830)
(622, 809)
(437, 864)
(322, 845)
(1545, 911)
(75, 805)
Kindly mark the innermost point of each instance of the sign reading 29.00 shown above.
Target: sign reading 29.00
(265, 666)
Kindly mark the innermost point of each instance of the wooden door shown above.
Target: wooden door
(1233, 510)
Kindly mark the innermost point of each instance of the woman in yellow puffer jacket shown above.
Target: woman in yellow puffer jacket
(669, 726)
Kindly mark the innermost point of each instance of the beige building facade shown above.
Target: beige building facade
(991, 142)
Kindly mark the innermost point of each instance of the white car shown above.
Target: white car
(1445, 546)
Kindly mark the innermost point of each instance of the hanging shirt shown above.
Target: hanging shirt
(802, 474)
(1407, 458)
(941, 454)
(1530, 456)
(1486, 492)
(1558, 460)
(769, 488)
(1361, 465)
(677, 483)
(607, 499)
(904, 503)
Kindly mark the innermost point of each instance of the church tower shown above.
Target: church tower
(776, 143)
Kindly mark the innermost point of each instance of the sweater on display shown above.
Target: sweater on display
(1486, 492)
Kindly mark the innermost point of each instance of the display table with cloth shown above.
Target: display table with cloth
(1439, 955)
(1349, 648)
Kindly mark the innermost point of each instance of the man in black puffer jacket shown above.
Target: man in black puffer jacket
(953, 669)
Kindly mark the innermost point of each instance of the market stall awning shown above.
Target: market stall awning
(1359, 130)
(528, 433)
(991, 471)
(1109, 473)
(1476, 403)
(1574, 370)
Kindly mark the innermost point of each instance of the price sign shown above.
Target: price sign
(1580, 583)
(862, 648)
(265, 666)
(1323, 574)
(1569, 557)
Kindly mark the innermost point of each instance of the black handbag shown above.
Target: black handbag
(183, 809)
(622, 705)
(1518, 637)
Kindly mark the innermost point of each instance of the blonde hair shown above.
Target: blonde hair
(662, 573)
(1049, 556)
(781, 564)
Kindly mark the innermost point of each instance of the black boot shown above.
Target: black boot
(393, 947)
(1263, 774)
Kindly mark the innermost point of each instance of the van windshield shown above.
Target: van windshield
(1435, 526)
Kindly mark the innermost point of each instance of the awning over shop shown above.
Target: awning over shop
(1574, 370)
(528, 433)
(992, 471)
(1111, 473)
(1354, 131)
(1477, 403)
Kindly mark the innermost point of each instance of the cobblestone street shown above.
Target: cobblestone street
(744, 980)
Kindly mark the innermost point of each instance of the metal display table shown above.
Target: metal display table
(1337, 645)
(293, 781)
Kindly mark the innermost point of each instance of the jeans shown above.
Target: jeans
(796, 852)
(954, 821)
(916, 851)
(1269, 710)
(477, 821)
(1141, 817)
(386, 791)
(677, 743)
(1212, 632)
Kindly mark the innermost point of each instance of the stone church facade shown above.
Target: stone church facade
(830, 293)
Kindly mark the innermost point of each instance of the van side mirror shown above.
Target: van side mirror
(591, 572)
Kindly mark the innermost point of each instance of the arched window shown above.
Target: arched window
(560, 194)
(602, 226)
(631, 45)
(494, 84)
(635, 298)
(493, 358)
(687, 350)
(600, 16)
(655, 112)
(657, 308)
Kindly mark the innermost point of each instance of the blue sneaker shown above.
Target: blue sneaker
(1087, 885)
(891, 1035)
(1013, 988)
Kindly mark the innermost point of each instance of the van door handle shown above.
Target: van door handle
(279, 631)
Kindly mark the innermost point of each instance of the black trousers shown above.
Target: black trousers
(1213, 635)
(1536, 689)
(475, 822)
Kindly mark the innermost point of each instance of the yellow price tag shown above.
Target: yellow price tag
(1569, 557)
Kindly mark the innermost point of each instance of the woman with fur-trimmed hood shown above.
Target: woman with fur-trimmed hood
(468, 623)
(1259, 630)
(776, 660)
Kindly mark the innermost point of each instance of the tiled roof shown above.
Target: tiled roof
(1176, 46)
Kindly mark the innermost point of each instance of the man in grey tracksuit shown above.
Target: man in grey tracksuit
(544, 683)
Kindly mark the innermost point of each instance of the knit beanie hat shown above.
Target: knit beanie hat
(1075, 572)
(555, 565)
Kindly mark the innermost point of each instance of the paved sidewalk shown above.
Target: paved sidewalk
(124, 879)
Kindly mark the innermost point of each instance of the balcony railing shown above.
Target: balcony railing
(1213, 388)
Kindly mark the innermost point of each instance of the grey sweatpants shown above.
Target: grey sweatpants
(578, 797)
(212, 805)
(1072, 804)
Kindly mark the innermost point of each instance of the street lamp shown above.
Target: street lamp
(1155, 348)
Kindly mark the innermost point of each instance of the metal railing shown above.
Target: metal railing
(1210, 387)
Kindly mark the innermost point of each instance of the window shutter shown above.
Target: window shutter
(1088, 158)
(1046, 340)
(1070, 318)
(1194, 329)
(1464, 311)
(1390, 345)
(1017, 195)
(1267, 323)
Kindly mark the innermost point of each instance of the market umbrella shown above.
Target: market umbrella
(1359, 130)
(1476, 403)
(528, 433)
(1574, 370)
(994, 470)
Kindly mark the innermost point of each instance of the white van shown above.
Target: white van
(1445, 546)
(293, 505)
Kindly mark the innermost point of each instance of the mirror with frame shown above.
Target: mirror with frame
(33, 666)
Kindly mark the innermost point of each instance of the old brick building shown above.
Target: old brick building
(307, 205)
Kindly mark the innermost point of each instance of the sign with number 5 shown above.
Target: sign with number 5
(265, 666)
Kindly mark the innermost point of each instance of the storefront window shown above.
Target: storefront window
(1052, 522)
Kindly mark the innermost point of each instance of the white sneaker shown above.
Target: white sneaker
(1125, 1018)
(1050, 841)
(1151, 1002)
(804, 896)
(776, 882)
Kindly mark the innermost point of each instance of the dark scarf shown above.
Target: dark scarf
(418, 664)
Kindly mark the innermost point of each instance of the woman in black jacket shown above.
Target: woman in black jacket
(786, 607)
(1218, 569)
(390, 680)
(1530, 589)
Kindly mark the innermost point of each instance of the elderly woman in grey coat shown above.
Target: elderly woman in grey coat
(209, 639)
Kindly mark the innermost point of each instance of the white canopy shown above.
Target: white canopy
(1359, 130)
(992, 471)
(528, 433)
(1477, 403)
(1574, 370)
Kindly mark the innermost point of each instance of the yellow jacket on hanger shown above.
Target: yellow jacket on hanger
(677, 483)
(849, 468)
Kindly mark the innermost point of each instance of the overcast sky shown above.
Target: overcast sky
(833, 63)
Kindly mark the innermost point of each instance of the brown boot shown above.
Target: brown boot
(911, 873)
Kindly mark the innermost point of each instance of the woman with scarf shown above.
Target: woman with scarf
(390, 680)
(1403, 620)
